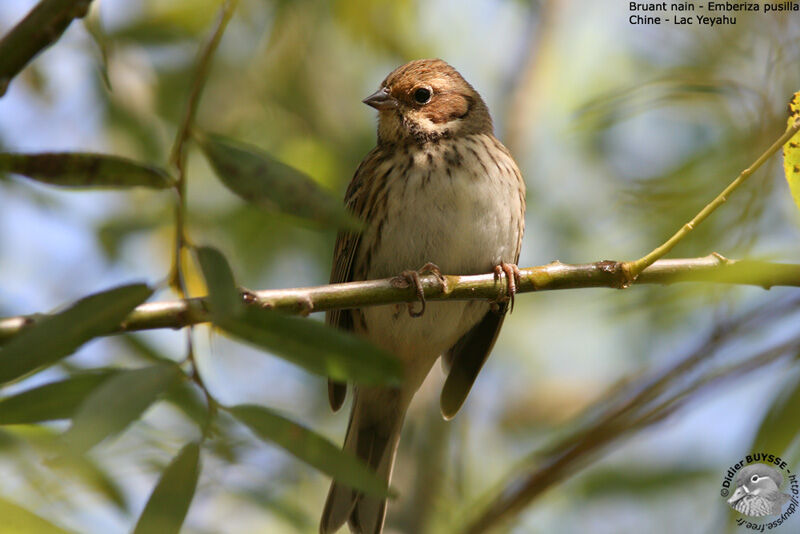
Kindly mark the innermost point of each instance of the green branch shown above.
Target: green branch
(633, 268)
(713, 268)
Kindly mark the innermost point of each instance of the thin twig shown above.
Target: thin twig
(186, 312)
(557, 462)
(177, 159)
(635, 267)
(178, 153)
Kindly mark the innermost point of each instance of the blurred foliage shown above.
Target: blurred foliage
(791, 152)
(623, 135)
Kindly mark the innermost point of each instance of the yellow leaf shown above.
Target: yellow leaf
(791, 152)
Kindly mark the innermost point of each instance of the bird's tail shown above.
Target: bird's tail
(372, 435)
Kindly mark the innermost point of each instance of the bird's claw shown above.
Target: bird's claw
(512, 275)
(412, 278)
(433, 269)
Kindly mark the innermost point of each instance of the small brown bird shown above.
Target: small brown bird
(438, 190)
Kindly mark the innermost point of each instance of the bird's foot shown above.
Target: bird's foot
(512, 275)
(411, 278)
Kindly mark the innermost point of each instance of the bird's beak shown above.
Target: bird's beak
(740, 492)
(381, 99)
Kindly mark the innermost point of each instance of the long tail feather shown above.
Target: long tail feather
(372, 435)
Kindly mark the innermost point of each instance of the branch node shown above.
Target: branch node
(620, 272)
(305, 305)
(248, 297)
(721, 260)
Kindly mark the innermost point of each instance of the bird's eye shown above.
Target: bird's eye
(422, 95)
(754, 478)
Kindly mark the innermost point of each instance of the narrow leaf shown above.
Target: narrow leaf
(223, 297)
(117, 403)
(168, 504)
(18, 520)
(76, 169)
(625, 482)
(186, 396)
(779, 427)
(260, 179)
(59, 335)
(309, 344)
(282, 506)
(56, 400)
(94, 477)
(311, 448)
(92, 25)
(64, 462)
(791, 152)
(40, 28)
(314, 346)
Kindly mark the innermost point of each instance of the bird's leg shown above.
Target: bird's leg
(512, 274)
(411, 278)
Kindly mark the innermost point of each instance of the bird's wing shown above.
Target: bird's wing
(343, 257)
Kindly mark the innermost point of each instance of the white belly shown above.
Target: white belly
(465, 223)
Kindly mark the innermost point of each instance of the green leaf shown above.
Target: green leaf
(63, 462)
(779, 427)
(641, 482)
(40, 28)
(75, 169)
(791, 152)
(223, 296)
(142, 349)
(311, 448)
(18, 520)
(262, 180)
(314, 346)
(186, 396)
(56, 400)
(92, 26)
(117, 403)
(59, 335)
(278, 504)
(309, 344)
(168, 504)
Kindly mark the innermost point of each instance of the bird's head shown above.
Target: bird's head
(757, 480)
(427, 100)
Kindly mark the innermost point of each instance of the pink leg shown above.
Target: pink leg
(411, 278)
(512, 274)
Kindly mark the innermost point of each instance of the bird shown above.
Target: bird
(757, 492)
(438, 194)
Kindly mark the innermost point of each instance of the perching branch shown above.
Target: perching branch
(713, 268)
(39, 29)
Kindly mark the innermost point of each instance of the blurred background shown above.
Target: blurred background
(622, 132)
